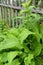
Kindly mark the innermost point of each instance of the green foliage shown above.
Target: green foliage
(34, 23)
(28, 60)
(3, 25)
(23, 45)
(14, 48)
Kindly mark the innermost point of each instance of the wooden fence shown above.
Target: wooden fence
(10, 9)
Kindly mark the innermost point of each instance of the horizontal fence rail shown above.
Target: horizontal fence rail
(11, 6)
(38, 11)
(9, 9)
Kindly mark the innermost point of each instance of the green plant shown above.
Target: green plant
(17, 47)
(34, 23)
(23, 45)
(3, 25)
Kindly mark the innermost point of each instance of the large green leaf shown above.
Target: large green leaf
(10, 42)
(24, 34)
(12, 55)
(33, 44)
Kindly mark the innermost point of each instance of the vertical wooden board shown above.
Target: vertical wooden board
(0, 13)
(3, 12)
(16, 18)
(8, 2)
(5, 15)
(19, 3)
(12, 2)
(19, 20)
(15, 2)
(9, 17)
(33, 2)
(12, 15)
(13, 18)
